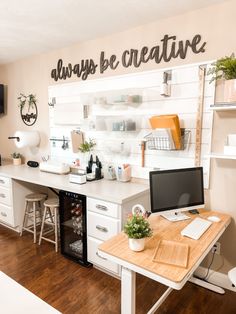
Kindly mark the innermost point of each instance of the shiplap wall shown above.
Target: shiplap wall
(124, 147)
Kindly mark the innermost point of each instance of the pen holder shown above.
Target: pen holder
(123, 174)
(109, 173)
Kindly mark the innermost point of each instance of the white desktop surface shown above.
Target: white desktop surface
(113, 191)
(14, 298)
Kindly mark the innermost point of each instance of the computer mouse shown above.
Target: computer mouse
(214, 218)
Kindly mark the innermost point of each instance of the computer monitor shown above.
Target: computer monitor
(176, 190)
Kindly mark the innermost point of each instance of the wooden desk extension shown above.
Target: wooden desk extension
(116, 249)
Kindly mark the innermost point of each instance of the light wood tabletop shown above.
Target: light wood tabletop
(163, 229)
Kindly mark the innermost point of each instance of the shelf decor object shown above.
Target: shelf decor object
(224, 73)
(16, 158)
(28, 108)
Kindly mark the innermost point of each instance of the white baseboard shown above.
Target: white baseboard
(216, 278)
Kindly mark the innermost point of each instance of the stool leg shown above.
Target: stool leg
(34, 217)
(42, 225)
(56, 225)
(24, 219)
(50, 215)
(40, 210)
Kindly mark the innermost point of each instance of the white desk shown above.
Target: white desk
(14, 298)
(111, 191)
(116, 249)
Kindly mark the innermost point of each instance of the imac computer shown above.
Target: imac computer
(177, 190)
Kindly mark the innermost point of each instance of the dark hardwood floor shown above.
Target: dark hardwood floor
(72, 289)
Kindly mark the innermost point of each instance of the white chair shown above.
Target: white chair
(232, 276)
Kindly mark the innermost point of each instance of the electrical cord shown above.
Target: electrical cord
(208, 269)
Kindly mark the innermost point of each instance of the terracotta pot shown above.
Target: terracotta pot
(137, 245)
(230, 91)
(16, 161)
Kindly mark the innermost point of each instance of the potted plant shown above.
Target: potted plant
(224, 73)
(137, 229)
(85, 148)
(16, 158)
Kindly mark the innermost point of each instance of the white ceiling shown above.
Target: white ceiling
(29, 27)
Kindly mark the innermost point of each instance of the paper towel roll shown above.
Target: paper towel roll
(27, 138)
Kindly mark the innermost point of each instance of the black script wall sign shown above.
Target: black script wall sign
(169, 48)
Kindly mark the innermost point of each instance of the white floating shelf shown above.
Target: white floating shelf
(222, 156)
(223, 107)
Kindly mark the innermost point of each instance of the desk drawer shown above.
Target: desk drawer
(103, 208)
(6, 215)
(5, 196)
(101, 227)
(95, 258)
(5, 181)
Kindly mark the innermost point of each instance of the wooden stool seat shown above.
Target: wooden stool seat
(51, 218)
(33, 213)
(52, 202)
(35, 197)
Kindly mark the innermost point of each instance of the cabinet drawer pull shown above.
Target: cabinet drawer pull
(2, 181)
(101, 228)
(105, 259)
(3, 214)
(101, 207)
(2, 195)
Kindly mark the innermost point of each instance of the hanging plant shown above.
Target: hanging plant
(30, 100)
(28, 108)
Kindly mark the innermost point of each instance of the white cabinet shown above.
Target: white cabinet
(6, 202)
(103, 222)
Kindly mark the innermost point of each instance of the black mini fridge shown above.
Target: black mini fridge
(73, 228)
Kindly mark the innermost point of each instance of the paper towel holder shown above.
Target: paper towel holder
(26, 139)
(14, 138)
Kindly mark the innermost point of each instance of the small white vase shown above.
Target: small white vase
(16, 161)
(137, 245)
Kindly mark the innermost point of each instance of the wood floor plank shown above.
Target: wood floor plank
(73, 289)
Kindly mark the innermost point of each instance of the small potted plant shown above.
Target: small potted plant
(224, 73)
(16, 158)
(85, 148)
(137, 229)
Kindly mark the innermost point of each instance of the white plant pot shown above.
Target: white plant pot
(137, 245)
(16, 161)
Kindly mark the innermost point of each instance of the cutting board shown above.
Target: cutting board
(172, 253)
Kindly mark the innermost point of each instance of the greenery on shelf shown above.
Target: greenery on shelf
(16, 155)
(87, 146)
(224, 68)
(137, 227)
(30, 100)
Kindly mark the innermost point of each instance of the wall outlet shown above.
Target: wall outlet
(216, 248)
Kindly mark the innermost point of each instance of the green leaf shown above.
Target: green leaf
(224, 68)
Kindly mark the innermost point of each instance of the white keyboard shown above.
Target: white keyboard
(196, 228)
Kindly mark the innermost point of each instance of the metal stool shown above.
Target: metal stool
(50, 217)
(33, 212)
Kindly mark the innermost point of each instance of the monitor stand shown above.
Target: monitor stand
(175, 216)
